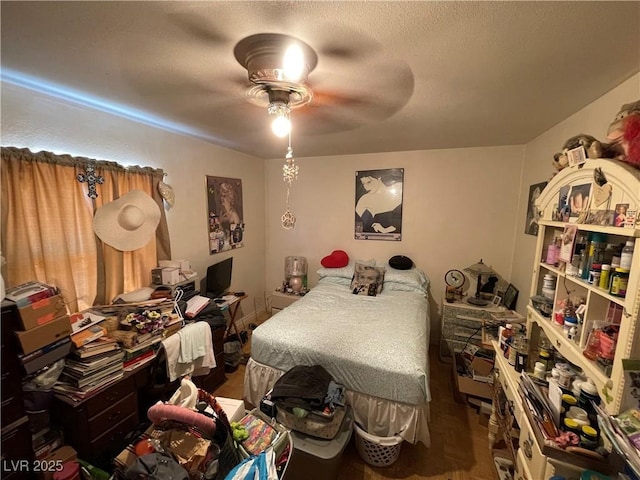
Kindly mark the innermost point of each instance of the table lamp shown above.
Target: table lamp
(478, 269)
(295, 273)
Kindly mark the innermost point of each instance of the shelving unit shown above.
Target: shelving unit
(623, 183)
(534, 458)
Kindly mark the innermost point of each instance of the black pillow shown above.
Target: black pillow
(400, 262)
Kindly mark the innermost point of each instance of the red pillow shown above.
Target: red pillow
(337, 259)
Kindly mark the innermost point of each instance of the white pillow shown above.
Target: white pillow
(343, 272)
(412, 280)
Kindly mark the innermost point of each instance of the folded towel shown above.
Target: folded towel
(194, 341)
(195, 337)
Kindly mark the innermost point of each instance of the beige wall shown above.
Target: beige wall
(40, 122)
(594, 119)
(459, 206)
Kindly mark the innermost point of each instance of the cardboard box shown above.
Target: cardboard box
(468, 386)
(170, 275)
(182, 265)
(32, 340)
(41, 312)
(45, 356)
(30, 292)
(482, 366)
(232, 407)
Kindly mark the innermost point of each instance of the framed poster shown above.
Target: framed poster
(225, 216)
(531, 227)
(378, 212)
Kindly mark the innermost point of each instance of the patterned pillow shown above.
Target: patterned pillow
(367, 279)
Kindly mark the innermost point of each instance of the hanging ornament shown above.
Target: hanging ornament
(91, 178)
(288, 218)
(166, 192)
(289, 169)
(289, 174)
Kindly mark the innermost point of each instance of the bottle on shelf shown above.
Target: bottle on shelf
(505, 339)
(619, 281)
(604, 276)
(626, 255)
(597, 247)
(516, 340)
(522, 355)
(545, 354)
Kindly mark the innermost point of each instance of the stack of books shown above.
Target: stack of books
(141, 354)
(83, 376)
(97, 347)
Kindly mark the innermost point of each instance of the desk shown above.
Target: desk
(231, 305)
(97, 427)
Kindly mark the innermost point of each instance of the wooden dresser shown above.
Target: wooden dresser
(98, 427)
(16, 435)
(216, 376)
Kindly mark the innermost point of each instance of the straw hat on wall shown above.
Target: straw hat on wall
(129, 222)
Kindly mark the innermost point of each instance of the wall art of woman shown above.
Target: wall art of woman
(378, 212)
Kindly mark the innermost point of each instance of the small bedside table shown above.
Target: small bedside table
(462, 322)
(280, 301)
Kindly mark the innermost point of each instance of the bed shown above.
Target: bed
(376, 346)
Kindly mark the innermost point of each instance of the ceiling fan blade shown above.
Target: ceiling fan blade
(199, 27)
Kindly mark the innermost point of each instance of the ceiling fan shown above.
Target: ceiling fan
(348, 80)
(278, 67)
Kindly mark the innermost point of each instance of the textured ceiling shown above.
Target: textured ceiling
(391, 76)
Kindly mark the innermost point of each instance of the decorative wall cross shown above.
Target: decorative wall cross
(91, 178)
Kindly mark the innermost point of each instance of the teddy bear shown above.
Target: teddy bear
(592, 146)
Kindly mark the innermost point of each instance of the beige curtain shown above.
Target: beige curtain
(47, 232)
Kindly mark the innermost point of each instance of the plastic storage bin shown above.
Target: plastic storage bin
(377, 451)
(316, 458)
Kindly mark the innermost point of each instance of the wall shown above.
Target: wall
(40, 122)
(594, 119)
(459, 206)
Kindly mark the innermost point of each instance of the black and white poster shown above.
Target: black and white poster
(378, 214)
(531, 224)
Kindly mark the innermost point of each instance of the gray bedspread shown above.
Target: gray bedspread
(373, 345)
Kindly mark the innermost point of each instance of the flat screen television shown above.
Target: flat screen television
(219, 278)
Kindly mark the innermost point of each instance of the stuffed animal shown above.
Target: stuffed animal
(615, 133)
(593, 149)
(631, 140)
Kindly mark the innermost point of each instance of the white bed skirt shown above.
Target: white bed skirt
(383, 418)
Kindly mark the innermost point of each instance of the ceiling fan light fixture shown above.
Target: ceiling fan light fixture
(281, 125)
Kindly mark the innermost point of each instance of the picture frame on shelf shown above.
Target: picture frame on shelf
(567, 243)
(579, 200)
(620, 217)
(576, 156)
(510, 297)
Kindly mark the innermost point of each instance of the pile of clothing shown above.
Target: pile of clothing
(307, 400)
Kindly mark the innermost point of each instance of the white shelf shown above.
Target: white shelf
(570, 350)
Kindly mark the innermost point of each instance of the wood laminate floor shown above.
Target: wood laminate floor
(459, 448)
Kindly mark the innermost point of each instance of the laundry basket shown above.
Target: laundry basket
(377, 451)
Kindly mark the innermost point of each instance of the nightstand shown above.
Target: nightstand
(462, 322)
(279, 301)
